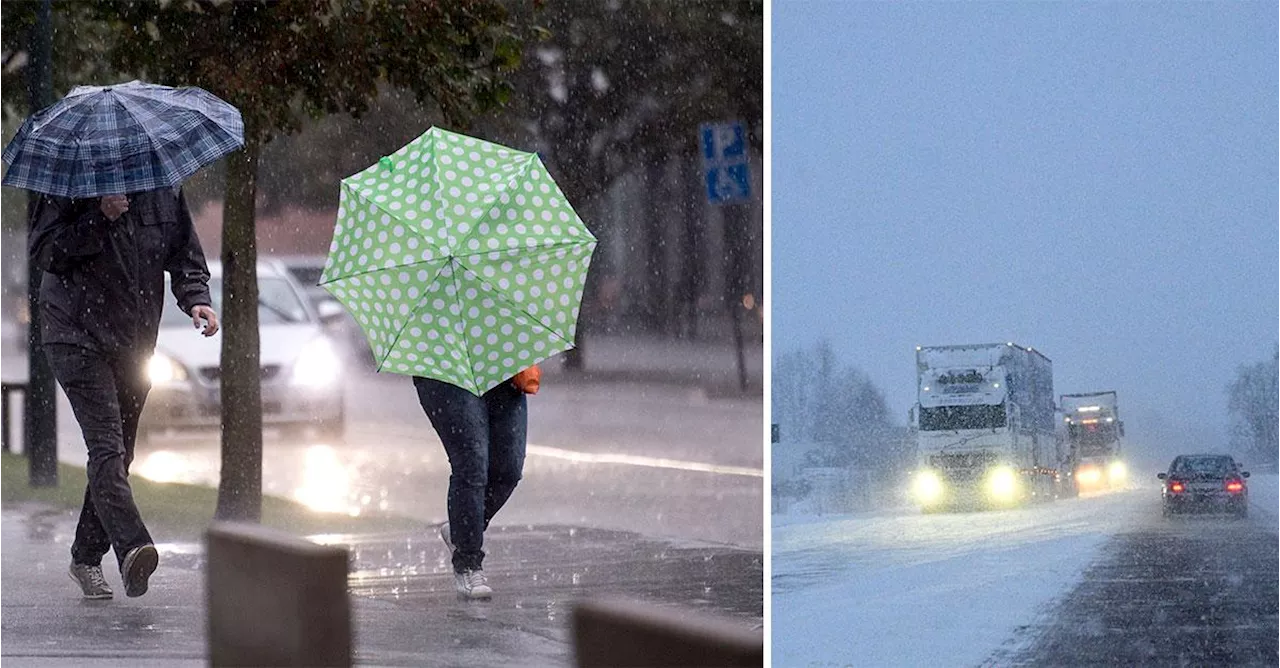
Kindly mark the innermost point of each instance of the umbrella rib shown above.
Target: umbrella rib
(484, 211)
(80, 146)
(526, 249)
(498, 293)
(500, 299)
(55, 111)
(378, 269)
(356, 193)
(466, 343)
(417, 309)
(155, 148)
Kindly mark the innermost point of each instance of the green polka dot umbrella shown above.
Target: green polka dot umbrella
(461, 259)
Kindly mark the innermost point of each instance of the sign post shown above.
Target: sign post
(727, 175)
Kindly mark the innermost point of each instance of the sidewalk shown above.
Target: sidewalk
(712, 365)
(404, 609)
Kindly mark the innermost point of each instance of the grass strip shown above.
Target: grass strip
(176, 511)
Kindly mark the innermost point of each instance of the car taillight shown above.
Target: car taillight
(1235, 486)
(1176, 487)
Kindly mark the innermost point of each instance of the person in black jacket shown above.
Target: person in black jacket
(100, 301)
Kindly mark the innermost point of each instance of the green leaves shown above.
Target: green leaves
(285, 60)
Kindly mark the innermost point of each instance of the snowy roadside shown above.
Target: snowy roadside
(1264, 495)
(896, 588)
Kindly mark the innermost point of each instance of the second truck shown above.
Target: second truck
(1093, 437)
(985, 427)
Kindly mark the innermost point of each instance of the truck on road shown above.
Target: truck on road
(1093, 439)
(985, 427)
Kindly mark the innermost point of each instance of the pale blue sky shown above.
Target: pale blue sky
(1097, 180)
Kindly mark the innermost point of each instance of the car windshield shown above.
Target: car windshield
(278, 304)
(307, 274)
(1202, 465)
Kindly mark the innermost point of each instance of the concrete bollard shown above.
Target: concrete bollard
(6, 422)
(624, 634)
(274, 599)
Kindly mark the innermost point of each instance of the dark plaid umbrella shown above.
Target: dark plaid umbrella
(131, 137)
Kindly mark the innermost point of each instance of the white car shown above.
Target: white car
(301, 369)
(343, 330)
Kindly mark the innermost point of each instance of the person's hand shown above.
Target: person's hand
(113, 206)
(210, 319)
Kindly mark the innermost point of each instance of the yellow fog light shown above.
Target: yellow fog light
(927, 487)
(1117, 472)
(1002, 483)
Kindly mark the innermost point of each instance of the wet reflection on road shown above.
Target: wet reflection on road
(541, 569)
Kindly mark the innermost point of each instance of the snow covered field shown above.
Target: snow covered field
(898, 588)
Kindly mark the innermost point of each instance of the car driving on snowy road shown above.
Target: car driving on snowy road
(1205, 483)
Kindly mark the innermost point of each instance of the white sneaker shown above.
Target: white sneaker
(446, 537)
(92, 583)
(472, 584)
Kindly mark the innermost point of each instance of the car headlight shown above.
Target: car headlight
(317, 365)
(162, 370)
(1117, 472)
(927, 487)
(1002, 483)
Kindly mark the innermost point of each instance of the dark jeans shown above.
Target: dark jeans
(106, 395)
(485, 440)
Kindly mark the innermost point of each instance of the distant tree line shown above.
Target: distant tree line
(817, 399)
(1253, 403)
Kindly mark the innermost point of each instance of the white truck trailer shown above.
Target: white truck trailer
(985, 427)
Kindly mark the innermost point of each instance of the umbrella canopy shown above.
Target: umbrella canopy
(461, 259)
(130, 137)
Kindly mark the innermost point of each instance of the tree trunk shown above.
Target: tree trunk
(240, 486)
(693, 217)
(657, 208)
(40, 412)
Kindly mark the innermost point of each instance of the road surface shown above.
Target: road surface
(1099, 580)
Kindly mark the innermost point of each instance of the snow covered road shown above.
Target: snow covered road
(899, 588)
(905, 589)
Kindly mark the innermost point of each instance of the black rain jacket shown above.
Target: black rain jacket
(103, 285)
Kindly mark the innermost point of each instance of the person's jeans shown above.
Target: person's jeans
(484, 438)
(106, 395)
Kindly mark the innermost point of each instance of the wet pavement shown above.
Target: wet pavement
(644, 479)
(405, 611)
(1183, 591)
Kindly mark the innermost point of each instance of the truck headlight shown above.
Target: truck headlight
(1002, 483)
(1117, 472)
(317, 365)
(927, 487)
(1089, 475)
(162, 370)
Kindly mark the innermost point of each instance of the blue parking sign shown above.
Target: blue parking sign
(725, 162)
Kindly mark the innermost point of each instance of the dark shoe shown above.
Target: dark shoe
(91, 581)
(138, 566)
(444, 536)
